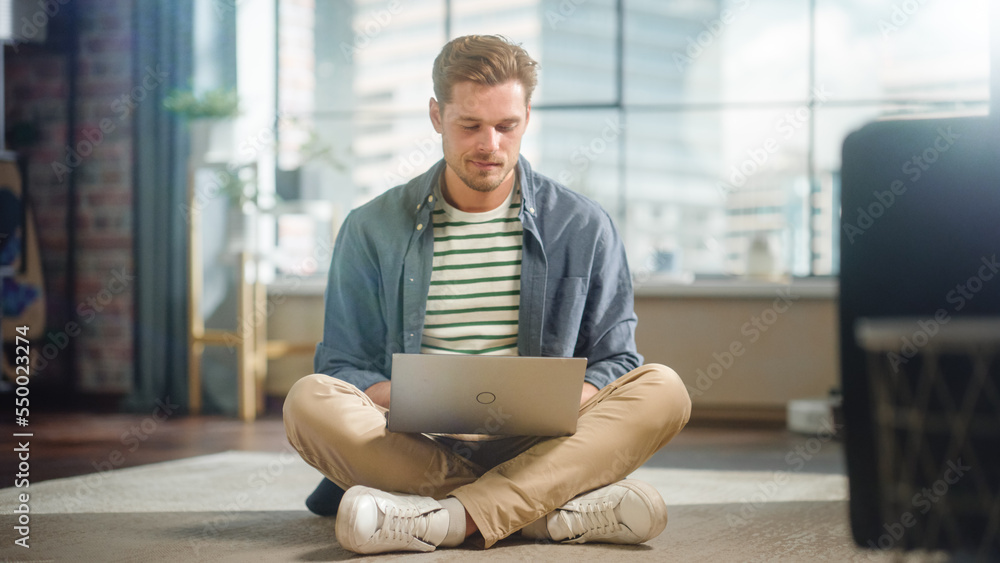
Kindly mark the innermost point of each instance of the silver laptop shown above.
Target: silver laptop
(498, 395)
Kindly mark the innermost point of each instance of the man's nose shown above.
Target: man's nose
(489, 141)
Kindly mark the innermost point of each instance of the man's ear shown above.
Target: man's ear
(435, 112)
(527, 114)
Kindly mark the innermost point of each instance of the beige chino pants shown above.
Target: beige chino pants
(504, 484)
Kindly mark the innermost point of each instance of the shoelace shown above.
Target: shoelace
(403, 524)
(594, 519)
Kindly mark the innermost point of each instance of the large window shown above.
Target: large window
(705, 127)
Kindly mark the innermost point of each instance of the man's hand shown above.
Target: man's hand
(379, 393)
(588, 391)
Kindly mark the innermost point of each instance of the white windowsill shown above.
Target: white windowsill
(306, 286)
(739, 288)
(735, 288)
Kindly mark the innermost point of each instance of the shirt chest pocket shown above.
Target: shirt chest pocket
(565, 300)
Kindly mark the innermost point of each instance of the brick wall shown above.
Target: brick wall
(101, 155)
(36, 91)
(104, 258)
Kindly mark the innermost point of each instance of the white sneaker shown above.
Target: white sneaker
(626, 512)
(374, 521)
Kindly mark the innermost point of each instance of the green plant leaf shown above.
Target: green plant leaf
(221, 102)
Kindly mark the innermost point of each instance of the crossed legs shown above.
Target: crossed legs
(340, 431)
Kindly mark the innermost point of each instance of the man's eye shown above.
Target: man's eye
(470, 127)
(506, 128)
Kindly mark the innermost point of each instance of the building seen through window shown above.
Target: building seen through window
(710, 130)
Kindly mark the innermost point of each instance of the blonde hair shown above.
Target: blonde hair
(484, 59)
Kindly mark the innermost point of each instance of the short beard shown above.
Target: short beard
(480, 184)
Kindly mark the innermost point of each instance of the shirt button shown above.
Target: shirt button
(418, 206)
(531, 210)
(420, 226)
(430, 198)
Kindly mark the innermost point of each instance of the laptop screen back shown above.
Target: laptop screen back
(497, 395)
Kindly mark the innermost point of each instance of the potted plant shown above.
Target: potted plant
(210, 121)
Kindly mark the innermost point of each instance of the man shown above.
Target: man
(483, 255)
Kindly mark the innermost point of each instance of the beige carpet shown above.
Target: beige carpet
(245, 506)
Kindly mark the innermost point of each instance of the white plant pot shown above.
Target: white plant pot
(211, 140)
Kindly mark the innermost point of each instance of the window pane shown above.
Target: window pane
(703, 185)
(833, 125)
(574, 43)
(709, 153)
(362, 156)
(376, 54)
(710, 51)
(579, 149)
(346, 162)
(903, 50)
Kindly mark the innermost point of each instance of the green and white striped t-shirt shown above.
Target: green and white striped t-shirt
(475, 290)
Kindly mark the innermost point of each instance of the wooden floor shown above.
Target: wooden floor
(70, 444)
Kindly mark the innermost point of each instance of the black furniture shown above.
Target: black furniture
(920, 334)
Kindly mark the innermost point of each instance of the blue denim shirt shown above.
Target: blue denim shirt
(576, 290)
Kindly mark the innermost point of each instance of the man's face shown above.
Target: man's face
(481, 131)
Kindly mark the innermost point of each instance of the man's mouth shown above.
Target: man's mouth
(485, 164)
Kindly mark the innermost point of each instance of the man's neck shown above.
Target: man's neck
(462, 197)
